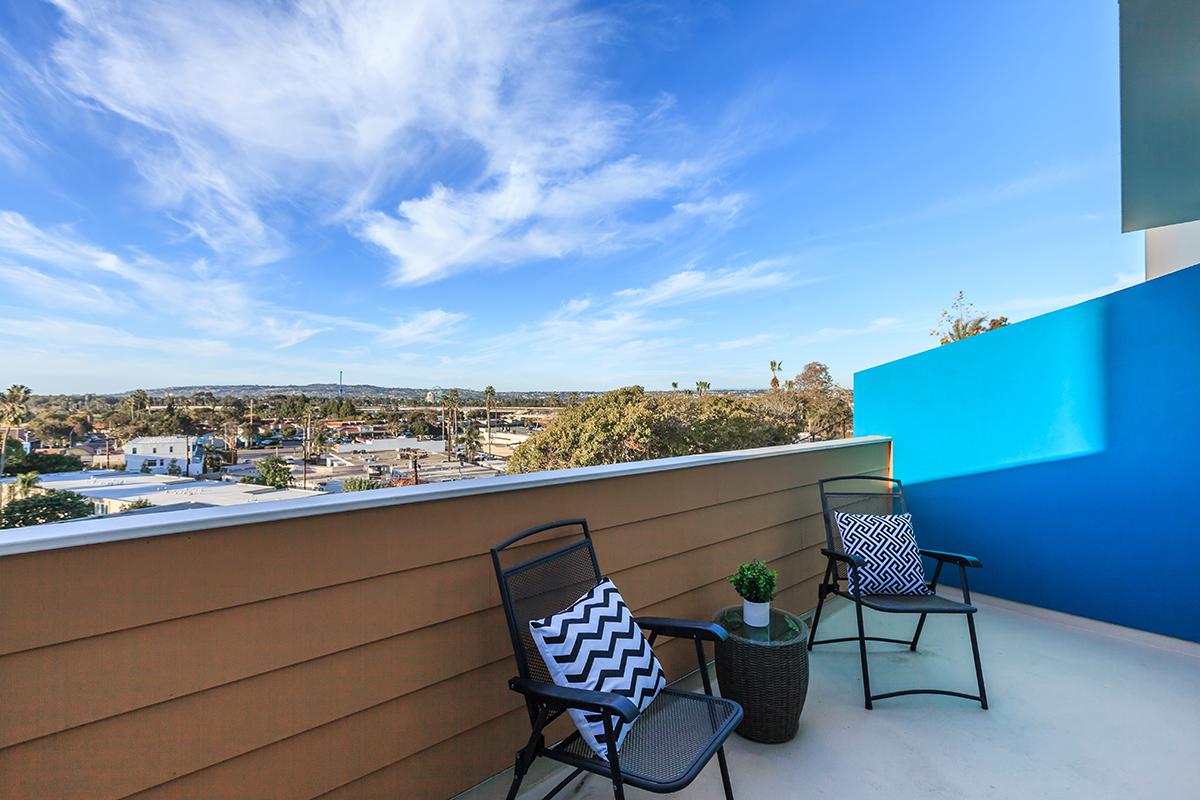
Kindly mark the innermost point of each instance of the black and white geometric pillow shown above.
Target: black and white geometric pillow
(887, 544)
(595, 644)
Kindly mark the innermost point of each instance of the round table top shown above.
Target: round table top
(785, 629)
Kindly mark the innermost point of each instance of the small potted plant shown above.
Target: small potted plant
(756, 584)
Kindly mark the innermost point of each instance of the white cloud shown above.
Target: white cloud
(57, 331)
(833, 334)
(742, 343)
(241, 111)
(1121, 280)
(691, 285)
(426, 326)
(50, 291)
(195, 296)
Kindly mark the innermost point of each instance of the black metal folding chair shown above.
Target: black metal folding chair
(668, 743)
(853, 494)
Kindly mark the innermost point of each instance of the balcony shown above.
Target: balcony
(1078, 709)
(351, 646)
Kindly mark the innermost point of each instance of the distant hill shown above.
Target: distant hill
(356, 391)
(322, 390)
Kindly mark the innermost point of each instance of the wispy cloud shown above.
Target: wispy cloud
(59, 331)
(350, 99)
(691, 285)
(57, 268)
(426, 326)
(742, 343)
(1121, 280)
(833, 334)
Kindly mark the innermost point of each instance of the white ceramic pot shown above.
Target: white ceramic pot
(756, 615)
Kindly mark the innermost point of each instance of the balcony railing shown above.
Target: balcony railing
(351, 644)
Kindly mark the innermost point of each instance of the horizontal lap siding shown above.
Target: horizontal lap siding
(334, 653)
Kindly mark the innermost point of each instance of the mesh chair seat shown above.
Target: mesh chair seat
(668, 744)
(915, 604)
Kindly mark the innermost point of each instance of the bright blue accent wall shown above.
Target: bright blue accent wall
(1062, 451)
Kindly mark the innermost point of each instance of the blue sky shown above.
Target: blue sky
(541, 196)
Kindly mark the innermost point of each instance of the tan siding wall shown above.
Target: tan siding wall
(353, 655)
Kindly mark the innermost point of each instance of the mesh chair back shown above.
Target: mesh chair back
(537, 586)
(857, 494)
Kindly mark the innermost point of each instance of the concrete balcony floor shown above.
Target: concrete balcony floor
(1079, 709)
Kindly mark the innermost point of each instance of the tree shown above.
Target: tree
(630, 425)
(25, 484)
(470, 440)
(961, 321)
(674, 386)
(702, 388)
(141, 502)
(776, 367)
(18, 461)
(420, 426)
(489, 394)
(453, 403)
(145, 467)
(272, 471)
(828, 408)
(173, 468)
(14, 410)
(358, 483)
(52, 506)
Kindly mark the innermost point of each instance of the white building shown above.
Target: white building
(156, 453)
(111, 492)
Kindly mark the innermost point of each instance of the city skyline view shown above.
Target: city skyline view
(540, 197)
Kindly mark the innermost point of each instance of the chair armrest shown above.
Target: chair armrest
(683, 628)
(563, 697)
(847, 558)
(953, 558)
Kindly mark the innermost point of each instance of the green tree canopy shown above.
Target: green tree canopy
(357, 483)
(50, 506)
(17, 461)
(272, 471)
(630, 425)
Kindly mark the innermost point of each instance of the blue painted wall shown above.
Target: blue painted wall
(1064, 451)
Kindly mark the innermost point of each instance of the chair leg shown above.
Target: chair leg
(862, 652)
(812, 632)
(822, 590)
(724, 773)
(917, 635)
(978, 664)
(518, 775)
(614, 765)
(529, 752)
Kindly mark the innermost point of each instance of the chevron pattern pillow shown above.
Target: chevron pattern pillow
(887, 544)
(596, 644)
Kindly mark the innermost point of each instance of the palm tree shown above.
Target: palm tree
(14, 409)
(453, 404)
(776, 367)
(674, 386)
(701, 388)
(489, 394)
(470, 440)
(26, 483)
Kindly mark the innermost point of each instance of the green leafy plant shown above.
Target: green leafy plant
(360, 484)
(37, 509)
(754, 582)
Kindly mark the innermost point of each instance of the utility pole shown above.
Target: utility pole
(304, 445)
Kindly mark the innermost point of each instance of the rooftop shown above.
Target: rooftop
(163, 490)
(1078, 708)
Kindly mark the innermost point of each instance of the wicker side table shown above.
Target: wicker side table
(766, 671)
